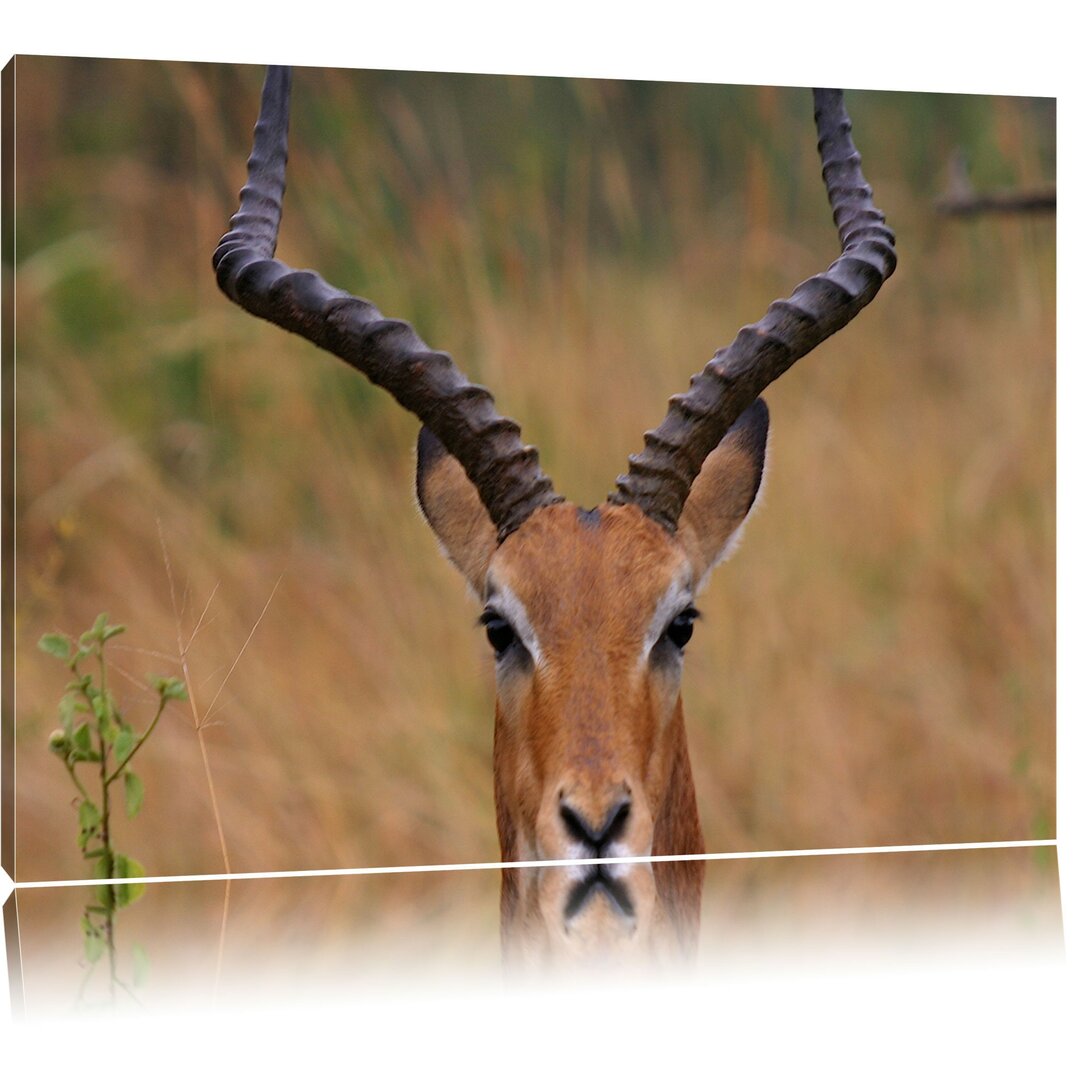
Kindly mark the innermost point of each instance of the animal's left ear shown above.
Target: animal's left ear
(724, 492)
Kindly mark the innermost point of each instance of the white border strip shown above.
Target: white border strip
(536, 864)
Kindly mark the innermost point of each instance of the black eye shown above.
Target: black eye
(681, 628)
(499, 632)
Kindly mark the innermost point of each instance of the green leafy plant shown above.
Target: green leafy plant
(96, 746)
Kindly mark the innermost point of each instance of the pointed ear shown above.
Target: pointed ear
(724, 492)
(453, 509)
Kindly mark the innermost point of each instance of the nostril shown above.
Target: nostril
(617, 822)
(575, 824)
(598, 837)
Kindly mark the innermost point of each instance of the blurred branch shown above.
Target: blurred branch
(961, 199)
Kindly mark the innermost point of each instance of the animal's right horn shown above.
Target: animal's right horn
(461, 414)
(660, 477)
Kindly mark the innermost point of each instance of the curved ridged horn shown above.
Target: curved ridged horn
(389, 352)
(660, 477)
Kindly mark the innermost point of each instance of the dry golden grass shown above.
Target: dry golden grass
(876, 664)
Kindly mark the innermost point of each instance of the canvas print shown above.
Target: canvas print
(477, 542)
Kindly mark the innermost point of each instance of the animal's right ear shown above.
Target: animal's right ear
(453, 509)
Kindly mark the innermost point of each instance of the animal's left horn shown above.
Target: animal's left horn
(659, 478)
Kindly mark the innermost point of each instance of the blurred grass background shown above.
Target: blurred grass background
(876, 664)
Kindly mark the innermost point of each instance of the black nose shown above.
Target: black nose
(596, 837)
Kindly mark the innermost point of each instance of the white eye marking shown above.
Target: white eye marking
(505, 603)
(677, 598)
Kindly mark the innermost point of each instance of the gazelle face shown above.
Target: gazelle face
(588, 614)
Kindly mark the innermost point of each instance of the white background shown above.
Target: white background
(1012, 1021)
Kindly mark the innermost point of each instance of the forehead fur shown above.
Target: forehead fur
(611, 564)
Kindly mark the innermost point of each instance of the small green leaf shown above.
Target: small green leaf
(97, 631)
(59, 742)
(89, 815)
(112, 631)
(170, 689)
(140, 964)
(80, 739)
(128, 894)
(126, 867)
(103, 893)
(133, 793)
(114, 897)
(69, 705)
(125, 743)
(93, 945)
(58, 645)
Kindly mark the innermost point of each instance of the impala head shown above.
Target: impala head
(588, 612)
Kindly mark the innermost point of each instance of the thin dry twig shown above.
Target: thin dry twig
(205, 719)
(210, 711)
(960, 198)
(215, 809)
(198, 625)
(999, 202)
(141, 684)
(155, 653)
